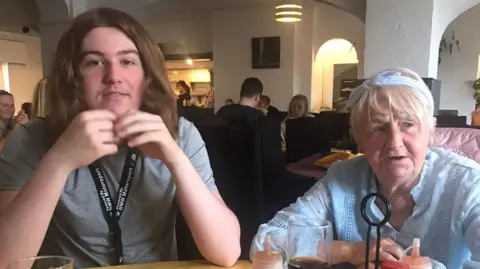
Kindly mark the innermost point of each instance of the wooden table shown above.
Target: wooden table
(195, 265)
(180, 265)
(306, 167)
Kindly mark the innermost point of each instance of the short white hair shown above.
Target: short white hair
(397, 90)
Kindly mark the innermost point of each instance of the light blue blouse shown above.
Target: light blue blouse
(446, 215)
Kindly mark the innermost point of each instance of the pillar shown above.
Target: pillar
(399, 34)
(303, 54)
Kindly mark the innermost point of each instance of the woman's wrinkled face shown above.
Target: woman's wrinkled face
(396, 145)
(113, 76)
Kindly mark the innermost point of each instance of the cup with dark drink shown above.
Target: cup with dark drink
(309, 244)
(42, 262)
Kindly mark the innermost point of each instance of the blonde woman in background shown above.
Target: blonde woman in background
(298, 108)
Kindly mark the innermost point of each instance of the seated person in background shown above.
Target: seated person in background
(264, 103)
(244, 114)
(228, 102)
(7, 120)
(262, 107)
(7, 111)
(298, 108)
(27, 109)
(434, 194)
(54, 173)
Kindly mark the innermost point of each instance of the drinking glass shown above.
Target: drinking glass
(309, 244)
(42, 262)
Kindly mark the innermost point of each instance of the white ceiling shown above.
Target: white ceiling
(17, 13)
(149, 9)
(146, 10)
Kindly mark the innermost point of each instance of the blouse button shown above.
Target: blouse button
(427, 215)
(309, 198)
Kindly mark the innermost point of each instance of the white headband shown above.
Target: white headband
(393, 78)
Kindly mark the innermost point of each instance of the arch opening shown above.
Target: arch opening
(336, 60)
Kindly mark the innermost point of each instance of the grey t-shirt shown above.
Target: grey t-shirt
(78, 228)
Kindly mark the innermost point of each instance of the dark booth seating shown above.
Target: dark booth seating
(305, 137)
(239, 182)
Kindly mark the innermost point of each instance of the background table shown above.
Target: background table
(306, 167)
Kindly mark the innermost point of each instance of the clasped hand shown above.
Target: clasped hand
(97, 133)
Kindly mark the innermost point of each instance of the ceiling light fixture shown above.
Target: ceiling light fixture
(288, 12)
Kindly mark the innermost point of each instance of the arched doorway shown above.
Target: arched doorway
(336, 59)
(459, 63)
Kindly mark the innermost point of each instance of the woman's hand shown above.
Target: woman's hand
(389, 251)
(21, 118)
(149, 134)
(89, 137)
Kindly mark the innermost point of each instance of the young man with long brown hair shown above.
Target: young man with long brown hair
(110, 160)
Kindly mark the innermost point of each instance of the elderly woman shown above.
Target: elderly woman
(434, 194)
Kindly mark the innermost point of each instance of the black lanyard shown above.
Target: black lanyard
(113, 211)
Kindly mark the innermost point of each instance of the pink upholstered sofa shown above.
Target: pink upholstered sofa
(463, 141)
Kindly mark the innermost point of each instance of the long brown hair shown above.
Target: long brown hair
(64, 87)
(298, 98)
(39, 102)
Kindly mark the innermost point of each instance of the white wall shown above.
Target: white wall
(50, 34)
(458, 71)
(55, 18)
(184, 34)
(398, 34)
(444, 12)
(232, 32)
(304, 51)
(24, 74)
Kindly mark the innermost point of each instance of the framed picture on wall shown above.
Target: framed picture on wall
(266, 52)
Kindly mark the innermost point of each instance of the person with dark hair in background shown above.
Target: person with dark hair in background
(27, 109)
(244, 114)
(110, 109)
(184, 97)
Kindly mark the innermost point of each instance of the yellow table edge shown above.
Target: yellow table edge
(201, 264)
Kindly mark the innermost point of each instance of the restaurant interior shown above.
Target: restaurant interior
(323, 51)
